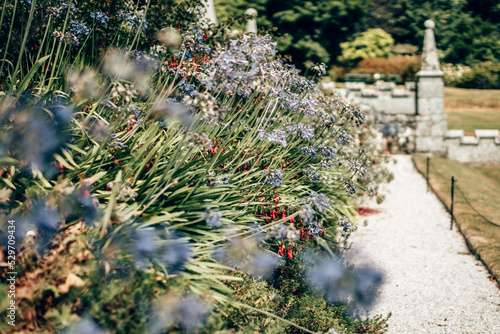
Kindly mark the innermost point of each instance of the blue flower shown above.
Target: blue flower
(212, 217)
(274, 178)
(359, 117)
(78, 28)
(350, 188)
(307, 214)
(344, 138)
(100, 17)
(320, 201)
(311, 151)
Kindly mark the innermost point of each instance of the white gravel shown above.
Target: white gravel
(431, 282)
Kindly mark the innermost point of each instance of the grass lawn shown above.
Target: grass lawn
(481, 186)
(470, 109)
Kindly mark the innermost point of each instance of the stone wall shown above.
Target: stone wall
(415, 119)
(482, 148)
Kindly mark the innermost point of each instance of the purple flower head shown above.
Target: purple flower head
(212, 217)
(307, 214)
(311, 151)
(262, 264)
(100, 17)
(148, 247)
(78, 28)
(320, 201)
(350, 188)
(191, 313)
(367, 282)
(274, 177)
(176, 253)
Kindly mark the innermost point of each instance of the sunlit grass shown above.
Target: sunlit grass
(481, 186)
(470, 109)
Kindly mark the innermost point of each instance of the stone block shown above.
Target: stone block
(469, 140)
(439, 129)
(384, 85)
(400, 93)
(454, 134)
(430, 87)
(410, 86)
(430, 144)
(427, 106)
(369, 93)
(487, 133)
(355, 86)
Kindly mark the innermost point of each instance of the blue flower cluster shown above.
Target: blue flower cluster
(312, 175)
(307, 214)
(304, 131)
(359, 117)
(135, 21)
(193, 41)
(320, 201)
(274, 177)
(276, 136)
(78, 28)
(100, 17)
(350, 188)
(343, 138)
(212, 217)
(173, 252)
(346, 226)
(331, 279)
(309, 150)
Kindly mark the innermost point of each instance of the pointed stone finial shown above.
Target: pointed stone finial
(252, 22)
(210, 11)
(430, 59)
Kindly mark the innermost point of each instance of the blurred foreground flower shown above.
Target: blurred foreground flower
(330, 278)
(245, 254)
(172, 252)
(186, 313)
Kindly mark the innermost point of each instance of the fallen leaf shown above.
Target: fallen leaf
(71, 280)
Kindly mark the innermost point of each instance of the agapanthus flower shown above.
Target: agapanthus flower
(359, 117)
(337, 283)
(350, 188)
(306, 213)
(262, 264)
(311, 151)
(212, 217)
(100, 17)
(274, 177)
(173, 251)
(84, 326)
(78, 28)
(320, 69)
(320, 201)
(343, 137)
(346, 226)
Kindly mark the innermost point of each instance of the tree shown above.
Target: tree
(373, 43)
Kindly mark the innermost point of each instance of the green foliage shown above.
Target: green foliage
(373, 43)
(480, 76)
(475, 41)
(288, 296)
(310, 30)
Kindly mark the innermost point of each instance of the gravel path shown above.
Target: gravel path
(431, 282)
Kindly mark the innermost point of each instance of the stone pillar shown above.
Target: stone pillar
(210, 11)
(252, 22)
(431, 124)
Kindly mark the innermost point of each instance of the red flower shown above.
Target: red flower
(281, 250)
